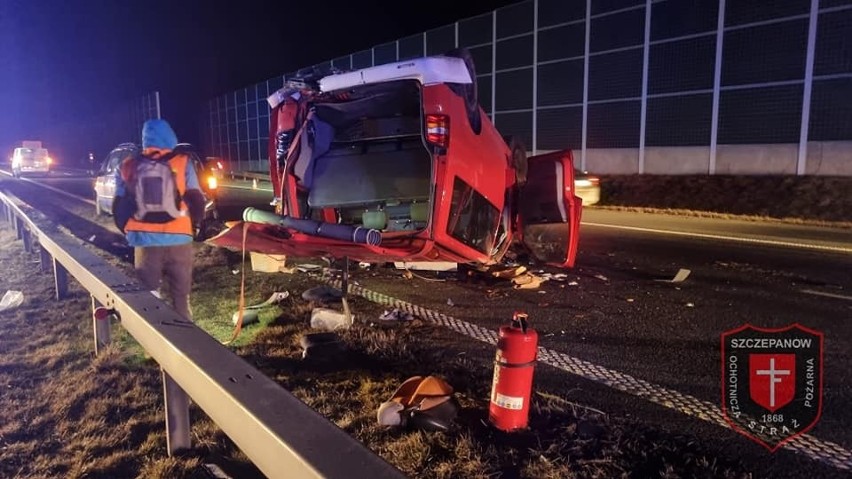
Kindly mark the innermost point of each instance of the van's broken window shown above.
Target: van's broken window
(473, 219)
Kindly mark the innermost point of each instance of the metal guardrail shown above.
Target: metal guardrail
(281, 435)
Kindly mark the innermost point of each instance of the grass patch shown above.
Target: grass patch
(67, 424)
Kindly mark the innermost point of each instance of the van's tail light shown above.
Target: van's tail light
(438, 130)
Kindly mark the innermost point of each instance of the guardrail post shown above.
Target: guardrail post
(177, 416)
(27, 236)
(60, 279)
(45, 259)
(101, 325)
(19, 228)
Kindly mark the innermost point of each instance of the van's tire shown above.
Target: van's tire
(469, 91)
(518, 159)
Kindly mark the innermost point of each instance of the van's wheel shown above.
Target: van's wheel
(469, 91)
(519, 158)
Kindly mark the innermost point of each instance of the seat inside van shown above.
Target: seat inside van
(367, 152)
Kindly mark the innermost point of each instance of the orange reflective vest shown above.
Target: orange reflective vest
(181, 225)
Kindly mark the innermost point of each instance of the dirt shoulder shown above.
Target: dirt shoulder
(818, 200)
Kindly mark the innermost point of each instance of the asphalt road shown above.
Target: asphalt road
(233, 195)
(615, 311)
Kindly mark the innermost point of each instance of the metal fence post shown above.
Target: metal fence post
(586, 85)
(27, 237)
(801, 163)
(717, 85)
(19, 228)
(45, 259)
(643, 119)
(494, 67)
(60, 279)
(177, 416)
(534, 145)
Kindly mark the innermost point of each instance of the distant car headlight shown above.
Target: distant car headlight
(48, 160)
(212, 183)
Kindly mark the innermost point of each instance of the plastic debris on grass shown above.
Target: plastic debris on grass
(12, 299)
(251, 313)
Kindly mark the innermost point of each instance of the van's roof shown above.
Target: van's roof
(428, 70)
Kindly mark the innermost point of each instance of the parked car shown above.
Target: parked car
(104, 185)
(105, 178)
(398, 162)
(587, 187)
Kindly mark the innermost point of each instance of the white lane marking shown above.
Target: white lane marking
(827, 452)
(235, 187)
(827, 295)
(789, 244)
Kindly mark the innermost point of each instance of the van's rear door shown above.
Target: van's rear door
(549, 212)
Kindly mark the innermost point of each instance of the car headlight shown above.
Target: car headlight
(212, 183)
(48, 160)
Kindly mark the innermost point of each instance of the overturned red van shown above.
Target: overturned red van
(398, 162)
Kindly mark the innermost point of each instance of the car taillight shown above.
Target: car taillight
(438, 130)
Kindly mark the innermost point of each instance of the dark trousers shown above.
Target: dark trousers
(169, 266)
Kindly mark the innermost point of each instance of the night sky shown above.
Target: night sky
(68, 60)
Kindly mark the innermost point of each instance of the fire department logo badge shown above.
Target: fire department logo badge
(772, 382)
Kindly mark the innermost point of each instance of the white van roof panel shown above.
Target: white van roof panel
(428, 71)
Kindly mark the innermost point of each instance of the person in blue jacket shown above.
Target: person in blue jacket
(163, 251)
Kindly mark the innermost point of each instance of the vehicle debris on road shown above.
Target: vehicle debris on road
(679, 277)
(396, 315)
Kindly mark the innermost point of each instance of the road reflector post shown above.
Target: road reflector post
(101, 319)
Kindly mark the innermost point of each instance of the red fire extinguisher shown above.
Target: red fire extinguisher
(513, 374)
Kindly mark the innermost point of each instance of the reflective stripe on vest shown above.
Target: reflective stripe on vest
(182, 225)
